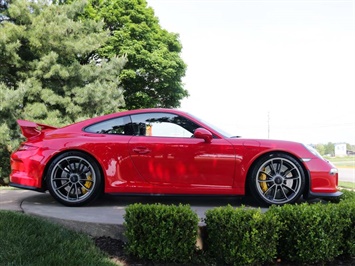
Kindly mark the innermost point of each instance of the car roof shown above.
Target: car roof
(84, 123)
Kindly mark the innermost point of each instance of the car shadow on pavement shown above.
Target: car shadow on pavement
(198, 201)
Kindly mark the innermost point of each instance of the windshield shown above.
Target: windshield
(215, 128)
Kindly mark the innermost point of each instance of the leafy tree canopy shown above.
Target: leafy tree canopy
(49, 70)
(3, 7)
(153, 73)
(63, 60)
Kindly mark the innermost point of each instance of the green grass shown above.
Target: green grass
(347, 162)
(7, 188)
(344, 162)
(349, 185)
(26, 240)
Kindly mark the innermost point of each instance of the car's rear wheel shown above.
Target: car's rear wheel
(277, 179)
(74, 179)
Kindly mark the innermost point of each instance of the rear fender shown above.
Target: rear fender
(56, 154)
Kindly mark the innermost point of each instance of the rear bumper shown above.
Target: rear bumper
(27, 168)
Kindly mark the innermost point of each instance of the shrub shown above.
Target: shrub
(348, 195)
(311, 233)
(241, 236)
(161, 233)
(347, 208)
(4, 164)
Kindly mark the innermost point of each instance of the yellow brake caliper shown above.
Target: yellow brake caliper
(263, 185)
(87, 185)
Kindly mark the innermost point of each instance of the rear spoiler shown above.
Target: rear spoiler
(32, 129)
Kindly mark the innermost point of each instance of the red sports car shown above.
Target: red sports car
(164, 151)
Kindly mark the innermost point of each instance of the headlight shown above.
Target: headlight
(333, 171)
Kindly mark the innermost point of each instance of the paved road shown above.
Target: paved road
(347, 174)
(105, 217)
(108, 209)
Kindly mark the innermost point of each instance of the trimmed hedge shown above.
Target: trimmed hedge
(161, 233)
(241, 236)
(311, 233)
(347, 209)
(305, 233)
(348, 196)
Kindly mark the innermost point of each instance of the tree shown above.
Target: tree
(329, 149)
(320, 148)
(3, 7)
(50, 70)
(152, 75)
(350, 147)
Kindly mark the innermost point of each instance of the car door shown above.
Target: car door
(110, 144)
(165, 152)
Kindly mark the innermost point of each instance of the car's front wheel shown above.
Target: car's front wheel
(277, 179)
(74, 179)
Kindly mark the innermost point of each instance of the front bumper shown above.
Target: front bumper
(312, 195)
(323, 179)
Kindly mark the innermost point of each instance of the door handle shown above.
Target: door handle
(141, 150)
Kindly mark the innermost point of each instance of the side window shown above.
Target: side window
(163, 125)
(116, 126)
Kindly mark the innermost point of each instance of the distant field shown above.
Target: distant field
(348, 161)
(347, 185)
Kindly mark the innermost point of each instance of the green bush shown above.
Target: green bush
(311, 233)
(161, 233)
(306, 233)
(241, 236)
(347, 208)
(4, 163)
(348, 196)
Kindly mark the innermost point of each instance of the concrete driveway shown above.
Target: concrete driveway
(105, 217)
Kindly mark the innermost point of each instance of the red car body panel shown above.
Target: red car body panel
(160, 165)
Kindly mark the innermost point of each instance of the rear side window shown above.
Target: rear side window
(116, 126)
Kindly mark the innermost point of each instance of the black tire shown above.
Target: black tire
(74, 179)
(277, 179)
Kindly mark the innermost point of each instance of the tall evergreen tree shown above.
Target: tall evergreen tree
(3, 7)
(50, 71)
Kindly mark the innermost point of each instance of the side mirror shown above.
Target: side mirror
(201, 133)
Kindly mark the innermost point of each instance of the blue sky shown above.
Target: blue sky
(268, 69)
